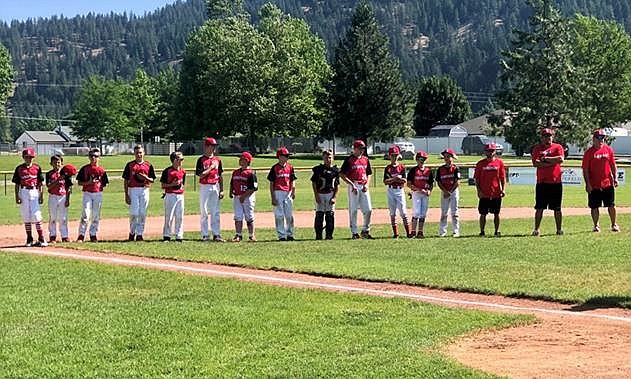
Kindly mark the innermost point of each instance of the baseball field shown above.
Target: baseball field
(67, 317)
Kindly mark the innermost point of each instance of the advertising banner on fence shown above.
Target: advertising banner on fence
(569, 176)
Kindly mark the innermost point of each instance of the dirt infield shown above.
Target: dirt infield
(566, 341)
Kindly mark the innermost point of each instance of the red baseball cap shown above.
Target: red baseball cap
(490, 146)
(421, 155)
(247, 156)
(547, 132)
(208, 141)
(359, 144)
(449, 151)
(282, 151)
(394, 150)
(28, 152)
(599, 133)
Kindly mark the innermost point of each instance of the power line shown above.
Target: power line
(40, 119)
(46, 85)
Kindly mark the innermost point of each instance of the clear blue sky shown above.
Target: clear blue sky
(23, 9)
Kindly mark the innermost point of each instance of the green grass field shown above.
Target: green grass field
(74, 319)
(581, 266)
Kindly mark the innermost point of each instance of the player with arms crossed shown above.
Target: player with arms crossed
(448, 179)
(138, 176)
(59, 184)
(209, 170)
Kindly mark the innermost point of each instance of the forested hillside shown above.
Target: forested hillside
(458, 38)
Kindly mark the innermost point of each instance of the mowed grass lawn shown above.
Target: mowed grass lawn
(114, 205)
(579, 267)
(62, 318)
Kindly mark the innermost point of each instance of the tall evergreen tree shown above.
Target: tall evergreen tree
(6, 78)
(368, 98)
(439, 101)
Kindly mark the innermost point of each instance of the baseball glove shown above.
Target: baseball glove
(69, 170)
(139, 178)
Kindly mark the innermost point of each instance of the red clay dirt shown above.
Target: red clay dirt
(566, 341)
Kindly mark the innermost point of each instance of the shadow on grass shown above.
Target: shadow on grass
(602, 302)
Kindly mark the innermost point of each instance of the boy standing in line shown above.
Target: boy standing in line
(490, 182)
(173, 180)
(209, 170)
(421, 182)
(138, 176)
(394, 177)
(325, 183)
(59, 188)
(448, 179)
(28, 179)
(283, 192)
(243, 185)
(356, 172)
(93, 179)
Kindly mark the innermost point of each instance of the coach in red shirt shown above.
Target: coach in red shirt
(490, 181)
(600, 175)
(547, 158)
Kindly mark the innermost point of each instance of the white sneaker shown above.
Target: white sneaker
(596, 229)
(442, 234)
(615, 228)
(456, 235)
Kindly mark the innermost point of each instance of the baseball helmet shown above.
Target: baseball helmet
(68, 170)
(210, 141)
(394, 150)
(28, 152)
(359, 144)
(547, 132)
(421, 155)
(490, 146)
(449, 151)
(282, 151)
(247, 156)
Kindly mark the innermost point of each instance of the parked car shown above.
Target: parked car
(407, 150)
(474, 145)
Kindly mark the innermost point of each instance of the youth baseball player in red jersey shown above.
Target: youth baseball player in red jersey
(28, 179)
(394, 177)
(601, 177)
(547, 158)
(243, 185)
(448, 180)
(490, 181)
(283, 192)
(59, 188)
(421, 182)
(209, 170)
(138, 176)
(356, 172)
(173, 180)
(93, 179)
(325, 182)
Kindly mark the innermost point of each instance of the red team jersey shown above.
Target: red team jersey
(551, 174)
(243, 180)
(421, 178)
(28, 177)
(356, 169)
(171, 175)
(392, 171)
(204, 163)
(281, 177)
(131, 171)
(448, 177)
(61, 187)
(95, 178)
(489, 175)
(599, 162)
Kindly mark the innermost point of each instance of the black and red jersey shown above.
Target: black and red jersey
(326, 178)
(132, 171)
(172, 175)
(28, 176)
(421, 178)
(62, 183)
(392, 171)
(243, 180)
(448, 177)
(356, 169)
(282, 177)
(94, 178)
(216, 169)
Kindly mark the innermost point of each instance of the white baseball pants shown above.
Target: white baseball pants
(57, 214)
(92, 202)
(284, 214)
(420, 205)
(173, 215)
(359, 200)
(245, 209)
(209, 208)
(396, 201)
(30, 209)
(139, 197)
(449, 204)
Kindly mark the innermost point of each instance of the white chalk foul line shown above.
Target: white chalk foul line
(305, 283)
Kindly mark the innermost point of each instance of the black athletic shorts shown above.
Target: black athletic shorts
(486, 206)
(548, 196)
(601, 197)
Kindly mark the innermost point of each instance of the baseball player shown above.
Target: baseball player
(547, 158)
(490, 182)
(59, 186)
(93, 179)
(447, 178)
(394, 177)
(138, 176)
(28, 179)
(356, 172)
(601, 177)
(283, 192)
(209, 170)
(173, 180)
(325, 182)
(421, 182)
(243, 185)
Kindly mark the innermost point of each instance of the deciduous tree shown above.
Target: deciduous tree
(439, 101)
